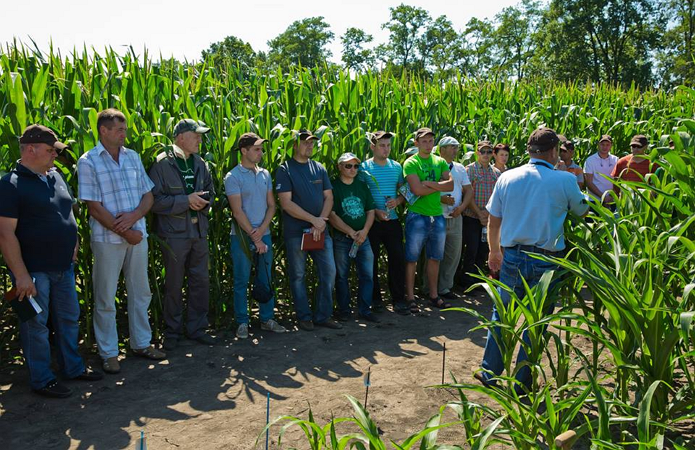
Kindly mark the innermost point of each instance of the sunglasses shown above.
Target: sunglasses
(635, 146)
(485, 152)
(351, 166)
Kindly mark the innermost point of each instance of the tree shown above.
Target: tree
(439, 46)
(676, 63)
(355, 56)
(230, 50)
(303, 42)
(477, 57)
(406, 26)
(514, 37)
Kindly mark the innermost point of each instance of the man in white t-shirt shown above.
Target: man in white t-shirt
(453, 204)
(598, 168)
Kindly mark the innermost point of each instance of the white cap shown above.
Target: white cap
(347, 157)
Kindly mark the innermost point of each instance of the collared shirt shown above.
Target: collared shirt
(599, 167)
(483, 180)
(119, 187)
(253, 187)
(533, 201)
(383, 182)
(460, 176)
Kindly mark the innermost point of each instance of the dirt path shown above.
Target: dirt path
(215, 397)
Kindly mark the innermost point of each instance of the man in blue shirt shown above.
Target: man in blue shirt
(527, 211)
(306, 198)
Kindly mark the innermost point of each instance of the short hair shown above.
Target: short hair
(108, 116)
(499, 147)
(23, 147)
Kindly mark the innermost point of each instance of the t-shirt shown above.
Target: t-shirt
(539, 222)
(46, 228)
(599, 167)
(629, 170)
(253, 187)
(383, 182)
(577, 171)
(306, 182)
(351, 202)
(460, 176)
(426, 169)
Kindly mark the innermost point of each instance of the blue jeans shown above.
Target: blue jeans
(515, 265)
(364, 262)
(57, 296)
(325, 266)
(242, 272)
(427, 231)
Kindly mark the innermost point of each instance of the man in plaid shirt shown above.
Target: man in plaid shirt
(483, 177)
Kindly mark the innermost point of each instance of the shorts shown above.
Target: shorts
(429, 231)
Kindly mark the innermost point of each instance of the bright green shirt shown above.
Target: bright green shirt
(426, 169)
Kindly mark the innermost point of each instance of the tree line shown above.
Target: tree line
(645, 42)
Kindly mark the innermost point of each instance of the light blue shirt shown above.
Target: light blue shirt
(383, 181)
(253, 187)
(533, 201)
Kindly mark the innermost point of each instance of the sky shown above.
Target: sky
(183, 29)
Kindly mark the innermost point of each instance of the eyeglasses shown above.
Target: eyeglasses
(486, 152)
(351, 166)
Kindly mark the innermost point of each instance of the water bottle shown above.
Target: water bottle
(353, 249)
(483, 235)
(388, 210)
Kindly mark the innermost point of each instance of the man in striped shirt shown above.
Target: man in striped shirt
(117, 190)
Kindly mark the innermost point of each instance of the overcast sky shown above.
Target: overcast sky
(184, 28)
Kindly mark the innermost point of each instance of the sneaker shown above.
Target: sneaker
(111, 365)
(89, 374)
(243, 331)
(273, 326)
(370, 318)
(205, 339)
(54, 389)
(306, 325)
(150, 352)
(330, 323)
(449, 296)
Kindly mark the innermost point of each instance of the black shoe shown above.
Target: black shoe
(370, 318)
(89, 374)
(343, 316)
(378, 307)
(205, 339)
(54, 390)
(170, 343)
(306, 325)
(330, 323)
(449, 296)
(401, 308)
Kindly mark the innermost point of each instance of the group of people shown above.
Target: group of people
(454, 213)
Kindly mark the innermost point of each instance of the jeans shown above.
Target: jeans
(427, 231)
(57, 296)
(390, 234)
(364, 261)
(242, 272)
(475, 251)
(516, 265)
(109, 261)
(325, 266)
(452, 255)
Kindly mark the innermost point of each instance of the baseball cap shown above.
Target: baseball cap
(380, 135)
(304, 135)
(565, 143)
(38, 134)
(250, 139)
(424, 131)
(606, 137)
(347, 156)
(190, 125)
(484, 144)
(541, 140)
(640, 140)
(448, 140)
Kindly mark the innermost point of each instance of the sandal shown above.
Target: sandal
(438, 302)
(414, 308)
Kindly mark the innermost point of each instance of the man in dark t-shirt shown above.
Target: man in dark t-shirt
(306, 198)
(38, 239)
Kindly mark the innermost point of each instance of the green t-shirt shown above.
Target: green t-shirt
(426, 169)
(352, 201)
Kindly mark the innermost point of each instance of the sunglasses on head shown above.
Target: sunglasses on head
(351, 166)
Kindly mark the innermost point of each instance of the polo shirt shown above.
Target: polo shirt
(306, 182)
(599, 167)
(46, 227)
(460, 176)
(533, 201)
(383, 182)
(253, 187)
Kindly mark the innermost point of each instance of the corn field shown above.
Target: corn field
(635, 390)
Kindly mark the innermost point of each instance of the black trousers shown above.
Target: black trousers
(390, 234)
(475, 252)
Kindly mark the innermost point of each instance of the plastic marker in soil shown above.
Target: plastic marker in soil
(367, 383)
(142, 444)
(267, 419)
(443, 361)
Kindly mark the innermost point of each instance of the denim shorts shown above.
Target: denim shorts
(429, 231)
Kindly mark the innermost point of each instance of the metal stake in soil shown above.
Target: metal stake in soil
(367, 383)
(443, 362)
(267, 419)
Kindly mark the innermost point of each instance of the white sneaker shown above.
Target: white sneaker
(273, 326)
(243, 331)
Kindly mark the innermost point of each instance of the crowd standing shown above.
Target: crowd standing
(462, 219)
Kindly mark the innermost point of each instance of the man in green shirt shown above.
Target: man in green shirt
(351, 218)
(427, 175)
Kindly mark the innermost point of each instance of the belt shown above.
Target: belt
(534, 249)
